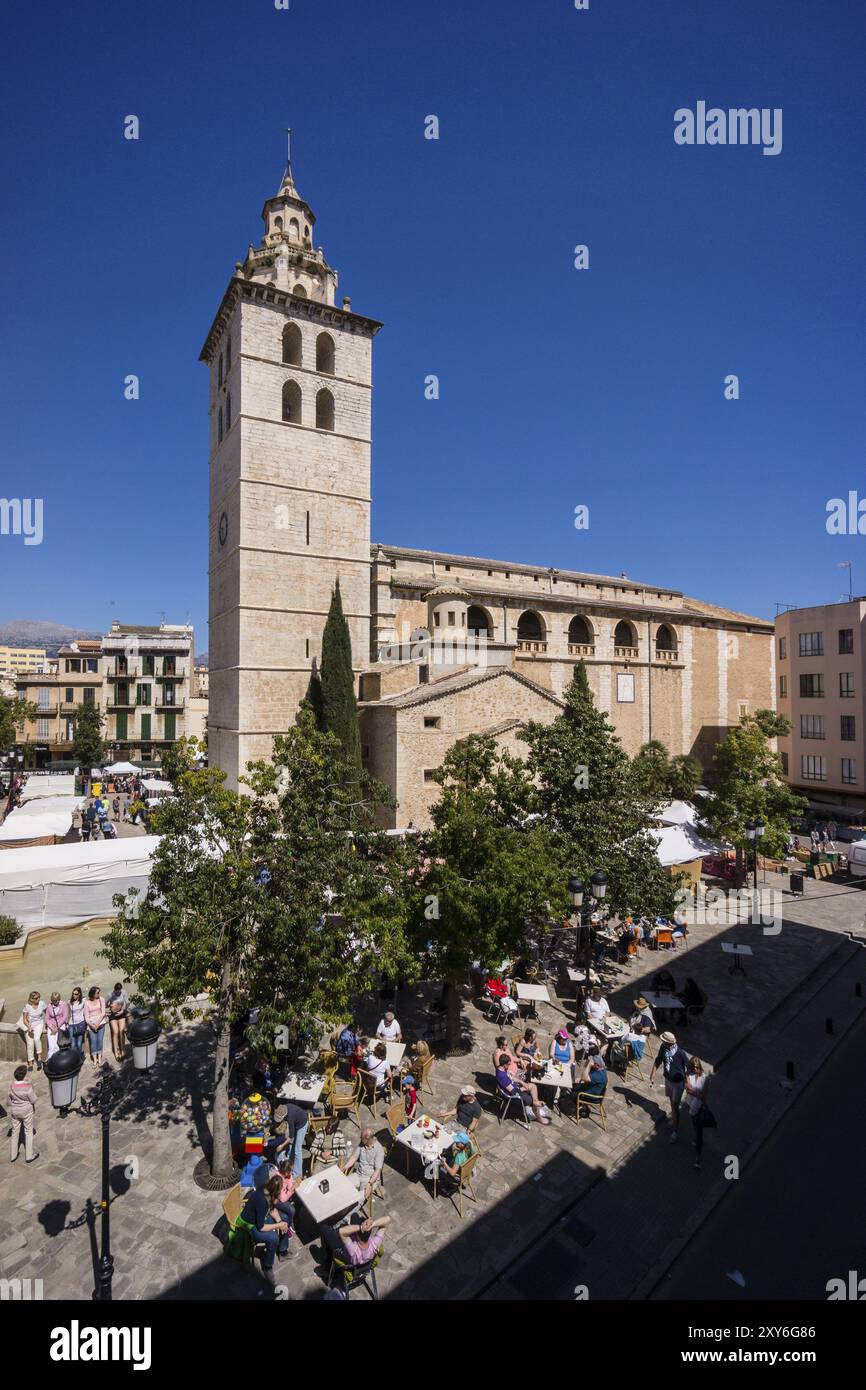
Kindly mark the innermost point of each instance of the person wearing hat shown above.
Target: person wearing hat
(410, 1096)
(562, 1050)
(672, 1061)
(462, 1149)
(640, 1025)
(467, 1110)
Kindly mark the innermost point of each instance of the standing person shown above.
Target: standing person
(410, 1097)
(673, 1062)
(697, 1090)
(94, 1017)
(77, 1021)
(292, 1145)
(118, 1005)
(115, 806)
(33, 1024)
(56, 1017)
(22, 1112)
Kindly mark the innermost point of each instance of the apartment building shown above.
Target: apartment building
(72, 678)
(821, 678)
(20, 661)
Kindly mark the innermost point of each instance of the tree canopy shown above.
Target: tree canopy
(747, 783)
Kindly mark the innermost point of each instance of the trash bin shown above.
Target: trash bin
(797, 883)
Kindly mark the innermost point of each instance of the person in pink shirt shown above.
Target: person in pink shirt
(357, 1244)
(22, 1112)
(57, 1016)
(94, 1016)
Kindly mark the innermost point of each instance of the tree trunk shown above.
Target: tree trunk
(453, 1031)
(222, 1162)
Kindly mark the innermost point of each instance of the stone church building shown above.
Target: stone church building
(443, 645)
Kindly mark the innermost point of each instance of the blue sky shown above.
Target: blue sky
(558, 387)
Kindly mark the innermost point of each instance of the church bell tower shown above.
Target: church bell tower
(290, 430)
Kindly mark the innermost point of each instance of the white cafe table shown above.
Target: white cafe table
(578, 977)
(291, 1089)
(531, 994)
(341, 1196)
(556, 1074)
(426, 1144)
(394, 1053)
(662, 1001)
(733, 948)
(609, 1028)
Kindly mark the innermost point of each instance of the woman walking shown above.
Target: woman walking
(22, 1112)
(697, 1090)
(118, 1004)
(33, 1024)
(56, 1017)
(94, 1015)
(77, 1022)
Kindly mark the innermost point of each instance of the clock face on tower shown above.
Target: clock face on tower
(223, 528)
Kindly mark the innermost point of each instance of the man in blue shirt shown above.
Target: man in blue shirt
(673, 1062)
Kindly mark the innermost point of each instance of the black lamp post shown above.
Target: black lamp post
(582, 916)
(754, 832)
(62, 1072)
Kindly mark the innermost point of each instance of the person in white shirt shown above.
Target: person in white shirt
(377, 1065)
(33, 1027)
(597, 1007)
(389, 1029)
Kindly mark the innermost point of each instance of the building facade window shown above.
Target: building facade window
(88, 695)
(325, 354)
(846, 685)
(849, 771)
(429, 774)
(811, 726)
(812, 687)
(142, 694)
(70, 695)
(291, 402)
(783, 757)
(220, 426)
(431, 722)
(228, 412)
(783, 648)
(292, 345)
(783, 687)
(846, 641)
(847, 728)
(324, 410)
(811, 644)
(43, 697)
(812, 768)
(145, 728)
(228, 354)
(43, 728)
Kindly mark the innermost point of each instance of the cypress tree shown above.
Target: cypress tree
(339, 707)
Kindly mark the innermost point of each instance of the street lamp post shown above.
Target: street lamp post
(754, 832)
(62, 1071)
(582, 917)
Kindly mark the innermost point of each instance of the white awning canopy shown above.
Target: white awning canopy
(63, 885)
(676, 813)
(679, 844)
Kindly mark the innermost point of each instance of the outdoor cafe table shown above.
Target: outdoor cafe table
(394, 1053)
(662, 1001)
(578, 977)
(532, 994)
(732, 948)
(342, 1194)
(557, 1074)
(424, 1142)
(292, 1089)
(611, 1027)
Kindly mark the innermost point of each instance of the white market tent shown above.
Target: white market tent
(155, 789)
(679, 844)
(64, 885)
(122, 768)
(37, 819)
(49, 784)
(677, 813)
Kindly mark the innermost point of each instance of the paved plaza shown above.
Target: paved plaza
(560, 1207)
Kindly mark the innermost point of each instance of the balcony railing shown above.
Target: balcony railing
(667, 654)
(169, 705)
(121, 705)
(43, 711)
(581, 649)
(625, 653)
(525, 646)
(71, 706)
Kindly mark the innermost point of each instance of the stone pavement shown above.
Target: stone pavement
(586, 1206)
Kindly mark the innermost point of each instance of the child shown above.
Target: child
(410, 1101)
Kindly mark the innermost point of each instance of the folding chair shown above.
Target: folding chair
(506, 1101)
(596, 1101)
(464, 1182)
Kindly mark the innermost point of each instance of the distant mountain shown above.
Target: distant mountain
(26, 632)
(201, 659)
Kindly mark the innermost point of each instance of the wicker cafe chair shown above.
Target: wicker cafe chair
(464, 1183)
(424, 1067)
(397, 1116)
(593, 1101)
(347, 1102)
(373, 1089)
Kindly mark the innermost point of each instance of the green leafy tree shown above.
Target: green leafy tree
(339, 709)
(15, 712)
(485, 870)
(684, 777)
(285, 897)
(586, 790)
(88, 747)
(180, 757)
(747, 784)
(652, 771)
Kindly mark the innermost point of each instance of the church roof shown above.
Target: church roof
(461, 680)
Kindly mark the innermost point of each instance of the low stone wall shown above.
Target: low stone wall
(12, 1048)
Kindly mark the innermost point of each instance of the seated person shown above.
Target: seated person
(367, 1160)
(467, 1110)
(593, 1078)
(376, 1063)
(692, 996)
(640, 1025)
(420, 1052)
(461, 1149)
(357, 1243)
(527, 1093)
(358, 1058)
(346, 1041)
(562, 1050)
(663, 982)
(389, 1029)
(269, 1227)
(597, 1007)
(528, 1053)
(501, 1048)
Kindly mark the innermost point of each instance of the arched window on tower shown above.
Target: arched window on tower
(579, 632)
(294, 229)
(307, 235)
(324, 410)
(624, 635)
(228, 411)
(292, 345)
(278, 224)
(665, 639)
(291, 402)
(220, 427)
(300, 291)
(530, 632)
(325, 354)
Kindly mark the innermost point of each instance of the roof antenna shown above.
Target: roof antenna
(289, 151)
